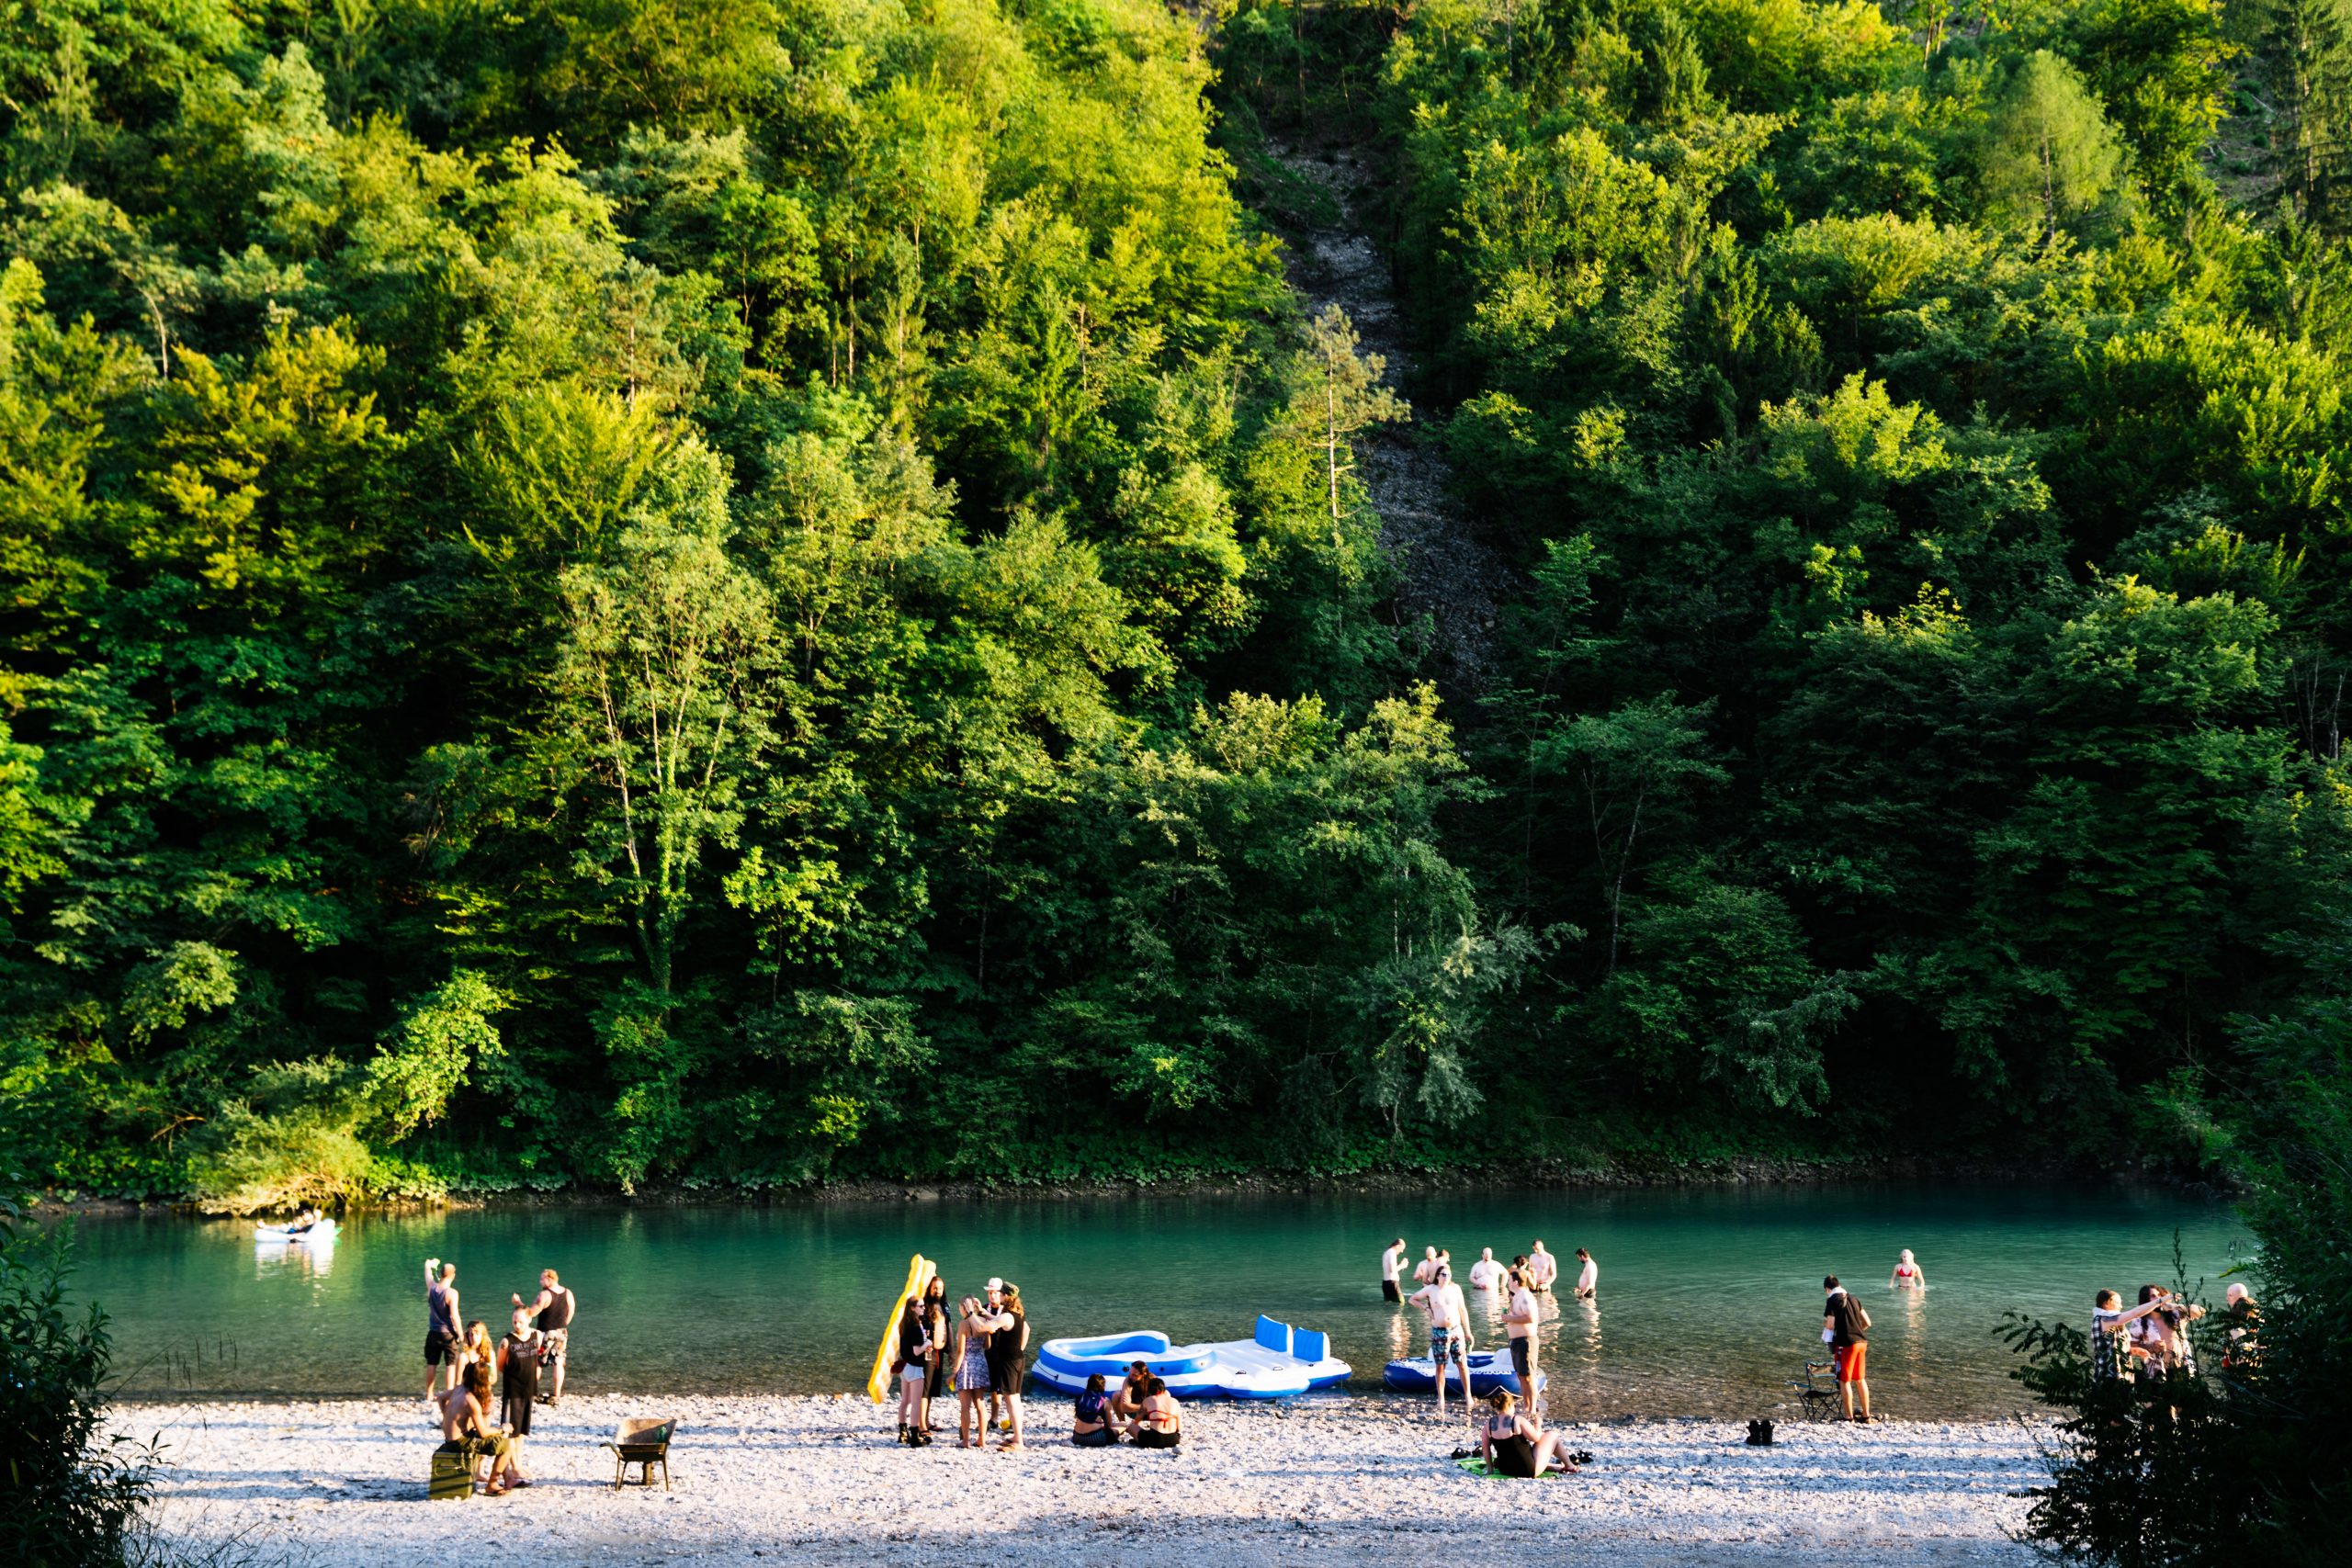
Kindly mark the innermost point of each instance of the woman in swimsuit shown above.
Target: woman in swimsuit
(1515, 1445)
(1907, 1274)
(1162, 1425)
(1092, 1427)
(971, 1376)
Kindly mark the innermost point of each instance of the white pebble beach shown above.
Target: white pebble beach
(1333, 1479)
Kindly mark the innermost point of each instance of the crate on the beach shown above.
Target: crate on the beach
(452, 1474)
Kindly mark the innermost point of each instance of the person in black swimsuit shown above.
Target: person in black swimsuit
(554, 1305)
(1515, 1445)
(519, 1374)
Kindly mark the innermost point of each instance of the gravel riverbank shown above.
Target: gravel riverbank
(1344, 1479)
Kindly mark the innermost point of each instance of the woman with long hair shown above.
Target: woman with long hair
(971, 1376)
(914, 1343)
(939, 1354)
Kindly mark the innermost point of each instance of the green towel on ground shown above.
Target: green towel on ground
(1477, 1467)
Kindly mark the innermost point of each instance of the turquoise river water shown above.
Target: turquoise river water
(1709, 1299)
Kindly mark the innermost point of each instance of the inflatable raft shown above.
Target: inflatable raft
(1275, 1363)
(1490, 1369)
(322, 1231)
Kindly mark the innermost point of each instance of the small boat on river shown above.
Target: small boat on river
(323, 1231)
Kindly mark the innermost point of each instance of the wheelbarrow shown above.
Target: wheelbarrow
(642, 1443)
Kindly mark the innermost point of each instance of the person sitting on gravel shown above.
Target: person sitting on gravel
(1127, 1404)
(1162, 1425)
(1512, 1445)
(1092, 1427)
(465, 1421)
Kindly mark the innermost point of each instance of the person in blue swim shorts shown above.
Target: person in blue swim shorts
(1449, 1317)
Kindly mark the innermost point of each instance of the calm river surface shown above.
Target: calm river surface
(1709, 1299)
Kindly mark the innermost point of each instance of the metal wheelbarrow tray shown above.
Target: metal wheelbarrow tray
(643, 1443)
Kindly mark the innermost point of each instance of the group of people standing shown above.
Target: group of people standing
(983, 1349)
(1528, 1276)
(2146, 1341)
(539, 1340)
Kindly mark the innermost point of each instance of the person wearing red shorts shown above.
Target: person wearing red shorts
(1846, 1326)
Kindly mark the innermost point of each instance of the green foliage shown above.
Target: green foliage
(75, 1491)
(756, 592)
(588, 594)
(1925, 474)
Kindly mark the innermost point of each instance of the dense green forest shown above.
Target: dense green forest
(744, 591)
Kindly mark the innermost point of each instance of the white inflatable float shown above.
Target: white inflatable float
(1275, 1363)
(322, 1231)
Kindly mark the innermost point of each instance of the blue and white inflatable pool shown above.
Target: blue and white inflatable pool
(1490, 1369)
(1275, 1363)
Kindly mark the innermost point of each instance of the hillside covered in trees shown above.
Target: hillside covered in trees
(743, 592)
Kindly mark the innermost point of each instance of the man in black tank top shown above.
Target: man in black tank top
(554, 1305)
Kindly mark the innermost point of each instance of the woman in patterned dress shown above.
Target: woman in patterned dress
(972, 1374)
